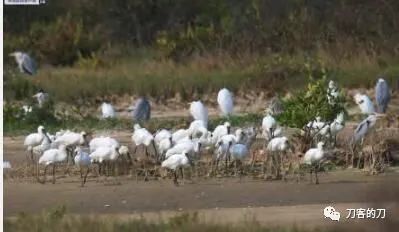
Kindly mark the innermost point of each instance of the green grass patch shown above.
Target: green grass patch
(20, 127)
(57, 220)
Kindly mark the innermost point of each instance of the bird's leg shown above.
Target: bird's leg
(84, 179)
(45, 173)
(361, 156)
(54, 173)
(311, 177)
(182, 174)
(80, 170)
(175, 178)
(315, 173)
(353, 160)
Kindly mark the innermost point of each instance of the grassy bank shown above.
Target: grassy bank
(197, 76)
(16, 128)
(58, 220)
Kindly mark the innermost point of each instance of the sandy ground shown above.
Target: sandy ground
(220, 200)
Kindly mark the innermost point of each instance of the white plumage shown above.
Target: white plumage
(314, 155)
(165, 145)
(6, 165)
(278, 144)
(107, 110)
(71, 138)
(35, 139)
(25, 63)
(102, 142)
(365, 104)
(332, 92)
(180, 134)
(53, 156)
(176, 161)
(41, 97)
(102, 154)
(225, 101)
(44, 146)
(142, 136)
(199, 111)
(191, 147)
(220, 131)
(338, 124)
(161, 135)
(269, 125)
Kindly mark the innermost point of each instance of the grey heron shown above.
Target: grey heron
(276, 106)
(382, 95)
(25, 63)
(142, 110)
(41, 97)
(363, 128)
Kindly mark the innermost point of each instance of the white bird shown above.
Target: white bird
(332, 92)
(102, 142)
(44, 146)
(199, 111)
(26, 109)
(197, 127)
(337, 125)
(238, 152)
(41, 97)
(237, 137)
(269, 125)
(71, 140)
(82, 160)
(161, 135)
(225, 101)
(52, 157)
(6, 165)
(279, 144)
(107, 110)
(382, 95)
(175, 162)
(34, 139)
(102, 154)
(165, 145)
(220, 131)
(180, 135)
(191, 147)
(365, 104)
(25, 63)
(314, 157)
(142, 136)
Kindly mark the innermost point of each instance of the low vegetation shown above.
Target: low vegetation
(58, 220)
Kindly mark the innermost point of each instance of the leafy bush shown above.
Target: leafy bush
(305, 105)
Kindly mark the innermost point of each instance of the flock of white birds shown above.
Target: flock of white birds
(177, 149)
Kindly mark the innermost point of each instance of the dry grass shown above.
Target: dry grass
(163, 78)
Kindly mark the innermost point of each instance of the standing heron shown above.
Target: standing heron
(332, 92)
(382, 95)
(225, 101)
(107, 110)
(142, 110)
(199, 111)
(41, 97)
(25, 63)
(275, 106)
(365, 104)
